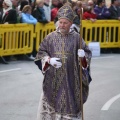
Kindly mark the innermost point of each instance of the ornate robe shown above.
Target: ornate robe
(61, 87)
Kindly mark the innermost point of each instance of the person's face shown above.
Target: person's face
(64, 25)
(55, 2)
(90, 3)
(15, 2)
(103, 3)
(40, 4)
(29, 11)
(4, 5)
(116, 2)
(47, 1)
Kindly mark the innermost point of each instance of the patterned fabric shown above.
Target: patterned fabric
(62, 86)
(46, 112)
(66, 12)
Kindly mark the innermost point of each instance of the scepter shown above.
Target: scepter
(80, 59)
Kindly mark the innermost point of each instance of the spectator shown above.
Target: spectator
(47, 10)
(54, 13)
(26, 15)
(114, 10)
(90, 14)
(119, 8)
(84, 6)
(15, 4)
(22, 4)
(56, 5)
(95, 2)
(101, 10)
(1, 10)
(91, 3)
(76, 20)
(39, 13)
(9, 15)
(28, 18)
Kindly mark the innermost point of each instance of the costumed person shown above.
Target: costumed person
(58, 59)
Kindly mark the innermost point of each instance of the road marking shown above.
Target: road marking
(110, 102)
(102, 57)
(10, 70)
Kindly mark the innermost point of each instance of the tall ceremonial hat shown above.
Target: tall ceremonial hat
(66, 12)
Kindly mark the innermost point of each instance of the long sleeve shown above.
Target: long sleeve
(27, 18)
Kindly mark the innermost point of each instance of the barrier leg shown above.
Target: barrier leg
(3, 60)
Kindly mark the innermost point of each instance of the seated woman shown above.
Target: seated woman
(26, 16)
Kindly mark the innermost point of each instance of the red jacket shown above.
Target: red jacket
(53, 13)
(88, 15)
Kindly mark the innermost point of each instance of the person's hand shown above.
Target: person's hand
(55, 62)
(81, 53)
(6, 23)
(92, 20)
(107, 12)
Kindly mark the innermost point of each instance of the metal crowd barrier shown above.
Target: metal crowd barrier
(19, 38)
(42, 30)
(107, 32)
(16, 39)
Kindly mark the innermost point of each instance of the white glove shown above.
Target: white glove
(55, 62)
(81, 53)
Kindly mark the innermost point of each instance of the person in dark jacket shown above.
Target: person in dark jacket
(1, 9)
(114, 10)
(101, 10)
(39, 13)
(9, 15)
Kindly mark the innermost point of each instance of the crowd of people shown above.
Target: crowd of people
(45, 11)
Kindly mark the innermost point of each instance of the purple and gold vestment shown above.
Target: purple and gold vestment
(61, 87)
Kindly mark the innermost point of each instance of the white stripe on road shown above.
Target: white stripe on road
(102, 57)
(10, 70)
(110, 102)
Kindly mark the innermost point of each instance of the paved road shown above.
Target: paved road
(21, 85)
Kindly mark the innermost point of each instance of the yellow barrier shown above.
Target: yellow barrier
(16, 39)
(107, 32)
(42, 30)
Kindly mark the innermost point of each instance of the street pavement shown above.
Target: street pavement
(21, 86)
